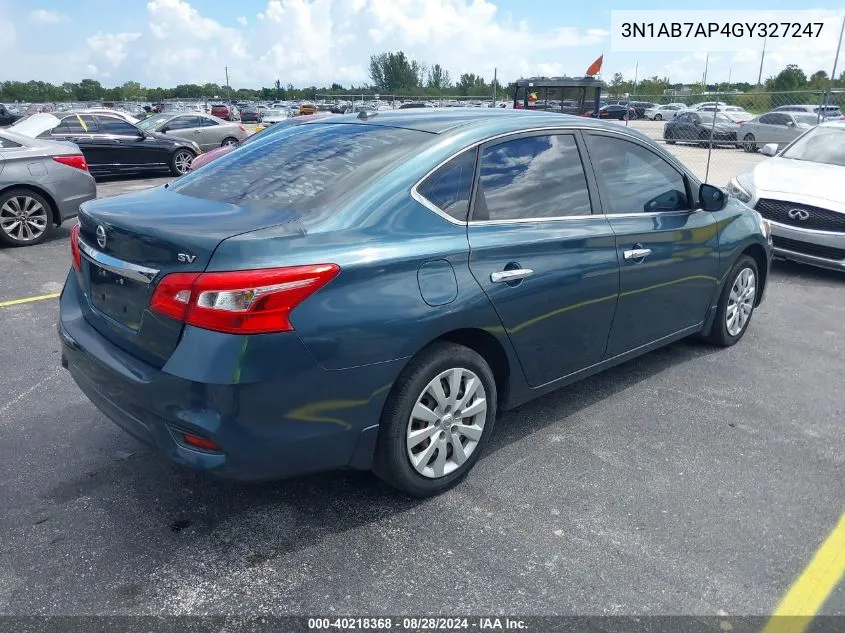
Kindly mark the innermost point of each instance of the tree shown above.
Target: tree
(336, 87)
(438, 78)
(394, 72)
(819, 80)
(471, 84)
(789, 79)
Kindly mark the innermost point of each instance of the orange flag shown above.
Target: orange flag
(595, 67)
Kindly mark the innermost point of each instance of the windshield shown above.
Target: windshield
(154, 121)
(304, 167)
(819, 145)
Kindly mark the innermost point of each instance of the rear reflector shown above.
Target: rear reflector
(242, 128)
(200, 442)
(77, 161)
(75, 255)
(241, 301)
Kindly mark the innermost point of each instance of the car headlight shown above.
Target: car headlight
(765, 226)
(738, 191)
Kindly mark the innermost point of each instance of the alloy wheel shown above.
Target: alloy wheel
(741, 301)
(749, 145)
(446, 423)
(183, 160)
(23, 219)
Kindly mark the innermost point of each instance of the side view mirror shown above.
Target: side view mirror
(164, 130)
(769, 149)
(712, 198)
(791, 124)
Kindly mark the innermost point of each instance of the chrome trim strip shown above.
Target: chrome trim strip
(416, 195)
(118, 266)
(792, 227)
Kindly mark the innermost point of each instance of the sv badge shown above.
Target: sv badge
(185, 258)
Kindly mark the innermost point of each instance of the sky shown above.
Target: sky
(318, 42)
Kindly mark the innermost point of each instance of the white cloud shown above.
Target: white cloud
(317, 42)
(45, 16)
(111, 46)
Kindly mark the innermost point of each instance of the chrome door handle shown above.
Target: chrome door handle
(510, 275)
(637, 253)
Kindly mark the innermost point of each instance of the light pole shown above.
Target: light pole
(228, 88)
(762, 57)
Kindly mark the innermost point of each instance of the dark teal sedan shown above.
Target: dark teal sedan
(369, 291)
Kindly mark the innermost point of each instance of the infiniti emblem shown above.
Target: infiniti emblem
(101, 236)
(799, 214)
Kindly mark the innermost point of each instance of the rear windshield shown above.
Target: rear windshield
(303, 167)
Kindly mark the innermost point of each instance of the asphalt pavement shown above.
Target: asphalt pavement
(692, 480)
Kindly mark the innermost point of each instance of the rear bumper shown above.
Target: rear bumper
(273, 410)
(72, 192)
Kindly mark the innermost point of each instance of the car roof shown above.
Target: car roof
(495, 120)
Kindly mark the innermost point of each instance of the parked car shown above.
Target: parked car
(207, 157)
(7, 117)
(42, 184)
(332, 297)
(111, 145)
(118, 113)
(252, 114)
(640, 107)
(699, 127)
(828, 112)
(612, 111)
(207, 131)
(661, 112)
(272, 116)
(800, 192)
(225, 112)
(780, 128)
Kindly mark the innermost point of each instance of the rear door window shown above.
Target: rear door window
(307, 166)
(534, 177)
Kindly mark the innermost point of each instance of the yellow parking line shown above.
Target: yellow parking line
(809, 592)
(14, 302)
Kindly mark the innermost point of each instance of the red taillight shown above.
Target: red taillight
(242, 301)
(76, 161)
(76, 256)
(200, 442)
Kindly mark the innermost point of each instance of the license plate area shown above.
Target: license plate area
(117, 296)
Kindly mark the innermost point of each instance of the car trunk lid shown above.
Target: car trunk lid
(129, 243)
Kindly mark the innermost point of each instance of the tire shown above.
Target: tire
(229, 140)
(723, 333)
(748, 143)
(705, 143)
(35, 211)
(180, 162)
(658, 117)
(668, 137)
(394, 451)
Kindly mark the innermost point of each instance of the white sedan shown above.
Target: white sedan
(664, 112)
(799, 191)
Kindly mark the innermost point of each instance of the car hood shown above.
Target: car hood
(817, 184)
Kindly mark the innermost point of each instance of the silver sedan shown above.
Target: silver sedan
(780, 128)
(42, 184)
(205, 130)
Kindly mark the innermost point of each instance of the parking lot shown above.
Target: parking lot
(692, 480)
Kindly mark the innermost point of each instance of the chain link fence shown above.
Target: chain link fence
(720, 135)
